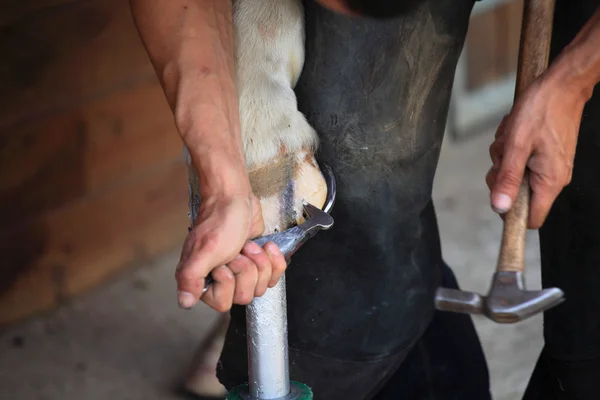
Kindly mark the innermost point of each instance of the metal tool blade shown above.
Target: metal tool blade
(290, 240)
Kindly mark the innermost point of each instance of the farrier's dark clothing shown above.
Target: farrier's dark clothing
(569, 366)
(362, 323)
(360, 296)
(570, 237)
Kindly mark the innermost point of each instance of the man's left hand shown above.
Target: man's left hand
(540, 133)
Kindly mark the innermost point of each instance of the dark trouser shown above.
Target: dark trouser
(556, 379)
(447, 363)
(569, 366)
(361, 317)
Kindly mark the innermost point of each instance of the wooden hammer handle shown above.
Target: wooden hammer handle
(536, 34)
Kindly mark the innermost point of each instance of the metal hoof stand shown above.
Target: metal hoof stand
(266, 317)
(298, 391)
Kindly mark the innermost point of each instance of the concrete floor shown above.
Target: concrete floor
(129, 341)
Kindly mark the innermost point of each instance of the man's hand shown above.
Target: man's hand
(540, 133)
(223, 227)
(541, 130)
(190, 44)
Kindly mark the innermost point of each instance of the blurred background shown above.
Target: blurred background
(93, 205)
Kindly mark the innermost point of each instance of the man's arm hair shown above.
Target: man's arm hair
(190, 44)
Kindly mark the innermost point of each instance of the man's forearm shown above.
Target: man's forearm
(190, 44)
(577, 68)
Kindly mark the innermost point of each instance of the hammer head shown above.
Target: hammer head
(507, 302)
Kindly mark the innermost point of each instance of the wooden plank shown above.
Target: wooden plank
(482, 53)
(63, 56)
(65, 252)
(47, 164)
(91, 172)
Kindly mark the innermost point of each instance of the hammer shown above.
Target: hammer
(508, 301)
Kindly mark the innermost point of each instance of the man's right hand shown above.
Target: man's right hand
(219, 243)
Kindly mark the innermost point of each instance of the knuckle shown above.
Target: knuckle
(509, 177)
(496, 145)
(211, 241)
(260, 291)
(568, 175)
(246, 266)
(550, 182)
(221, 307)
(557, 179)
(274, 250)
(501, 126)
(251, 247)
(244, 298)
(240, 265)
(489, 181)
(227, 279)
(568, 179)
(262, 265)
(520, 145)
(544, 182)
(280, 266)
(274, 280)
(537, 220)
(261, 260)
(267, 263)
(235, 265)
(186, 276)
(178, 270)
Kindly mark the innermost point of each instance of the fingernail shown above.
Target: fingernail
(273, 249)
(253, 248)
(501, 203)
(226, 268)
(186, 300)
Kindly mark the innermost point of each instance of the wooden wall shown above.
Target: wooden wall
(92, 178)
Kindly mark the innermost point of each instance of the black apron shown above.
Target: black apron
(361, 295)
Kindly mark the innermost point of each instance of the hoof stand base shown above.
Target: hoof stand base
(299, 391)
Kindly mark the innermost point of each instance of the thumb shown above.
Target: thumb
(195, 266)
(509, 178)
